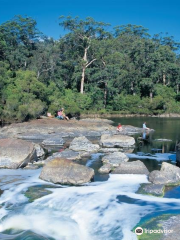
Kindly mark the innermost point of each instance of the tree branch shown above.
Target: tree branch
(90, 62)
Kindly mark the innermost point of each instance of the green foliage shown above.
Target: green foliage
(125, 71)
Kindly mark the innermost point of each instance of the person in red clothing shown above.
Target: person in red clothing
(119, 127)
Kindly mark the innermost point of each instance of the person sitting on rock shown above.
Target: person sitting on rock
(61, 114)
(119, 127)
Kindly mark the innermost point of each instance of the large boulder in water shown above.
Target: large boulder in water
(168, 175)
(121, 141)
(83, 144)
(16, 153)
(64, 171)
(115, 159)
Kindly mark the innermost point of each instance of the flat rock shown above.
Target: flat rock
(53, 141)
(135, 167)
(63, 171)
(117, 141)
(41, 129)
(33, 136)
(115, 159)
(16, 153)
(67, 153)
(83, 144)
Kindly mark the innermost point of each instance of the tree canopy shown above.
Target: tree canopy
(89, 69)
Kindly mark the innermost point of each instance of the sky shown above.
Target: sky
(156, 15)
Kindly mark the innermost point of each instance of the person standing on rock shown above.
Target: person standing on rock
(144, 126)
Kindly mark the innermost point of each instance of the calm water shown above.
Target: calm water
(108, 208)
(165, 128)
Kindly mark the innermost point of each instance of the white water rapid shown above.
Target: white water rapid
(89, 212)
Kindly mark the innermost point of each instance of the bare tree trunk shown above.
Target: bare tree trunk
(38, 74)
(82, 79)
(177, 88)
(85, 65)
(151, 96)
(105, 95)
(164, 79)
(132, 88)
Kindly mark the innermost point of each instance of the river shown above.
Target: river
(108, 208)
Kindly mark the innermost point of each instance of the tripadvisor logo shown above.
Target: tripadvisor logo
(139, 231)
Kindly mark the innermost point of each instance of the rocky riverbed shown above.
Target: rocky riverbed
(24, 145)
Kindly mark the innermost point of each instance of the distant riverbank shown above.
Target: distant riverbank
(109, 115)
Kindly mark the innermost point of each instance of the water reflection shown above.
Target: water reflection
(165, 129)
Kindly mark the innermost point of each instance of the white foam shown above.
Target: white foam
(156, 156)
(82, 213)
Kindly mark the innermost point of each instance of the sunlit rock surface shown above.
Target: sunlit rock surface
(83, 144)
(121, 141)
(16, 153)
(135, 167)
(64, 171)
(168, 175)
(115, 159)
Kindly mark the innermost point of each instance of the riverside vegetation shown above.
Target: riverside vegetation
(93, 68)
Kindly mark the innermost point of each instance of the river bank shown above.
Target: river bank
(107, 115)
(164, 115)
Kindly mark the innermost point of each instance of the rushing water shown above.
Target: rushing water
(108, 208)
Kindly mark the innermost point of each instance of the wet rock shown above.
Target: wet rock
(106, 168)
(33, 136)
(119, 141)
(63, 171)
(83, 144)
(135, 167)
(16, 153)
(152, 189)
(164, 227)
(115, 159)
(36, 192)
(168, 175)
(53, 141)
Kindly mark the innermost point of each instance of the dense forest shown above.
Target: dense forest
(88, 70)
